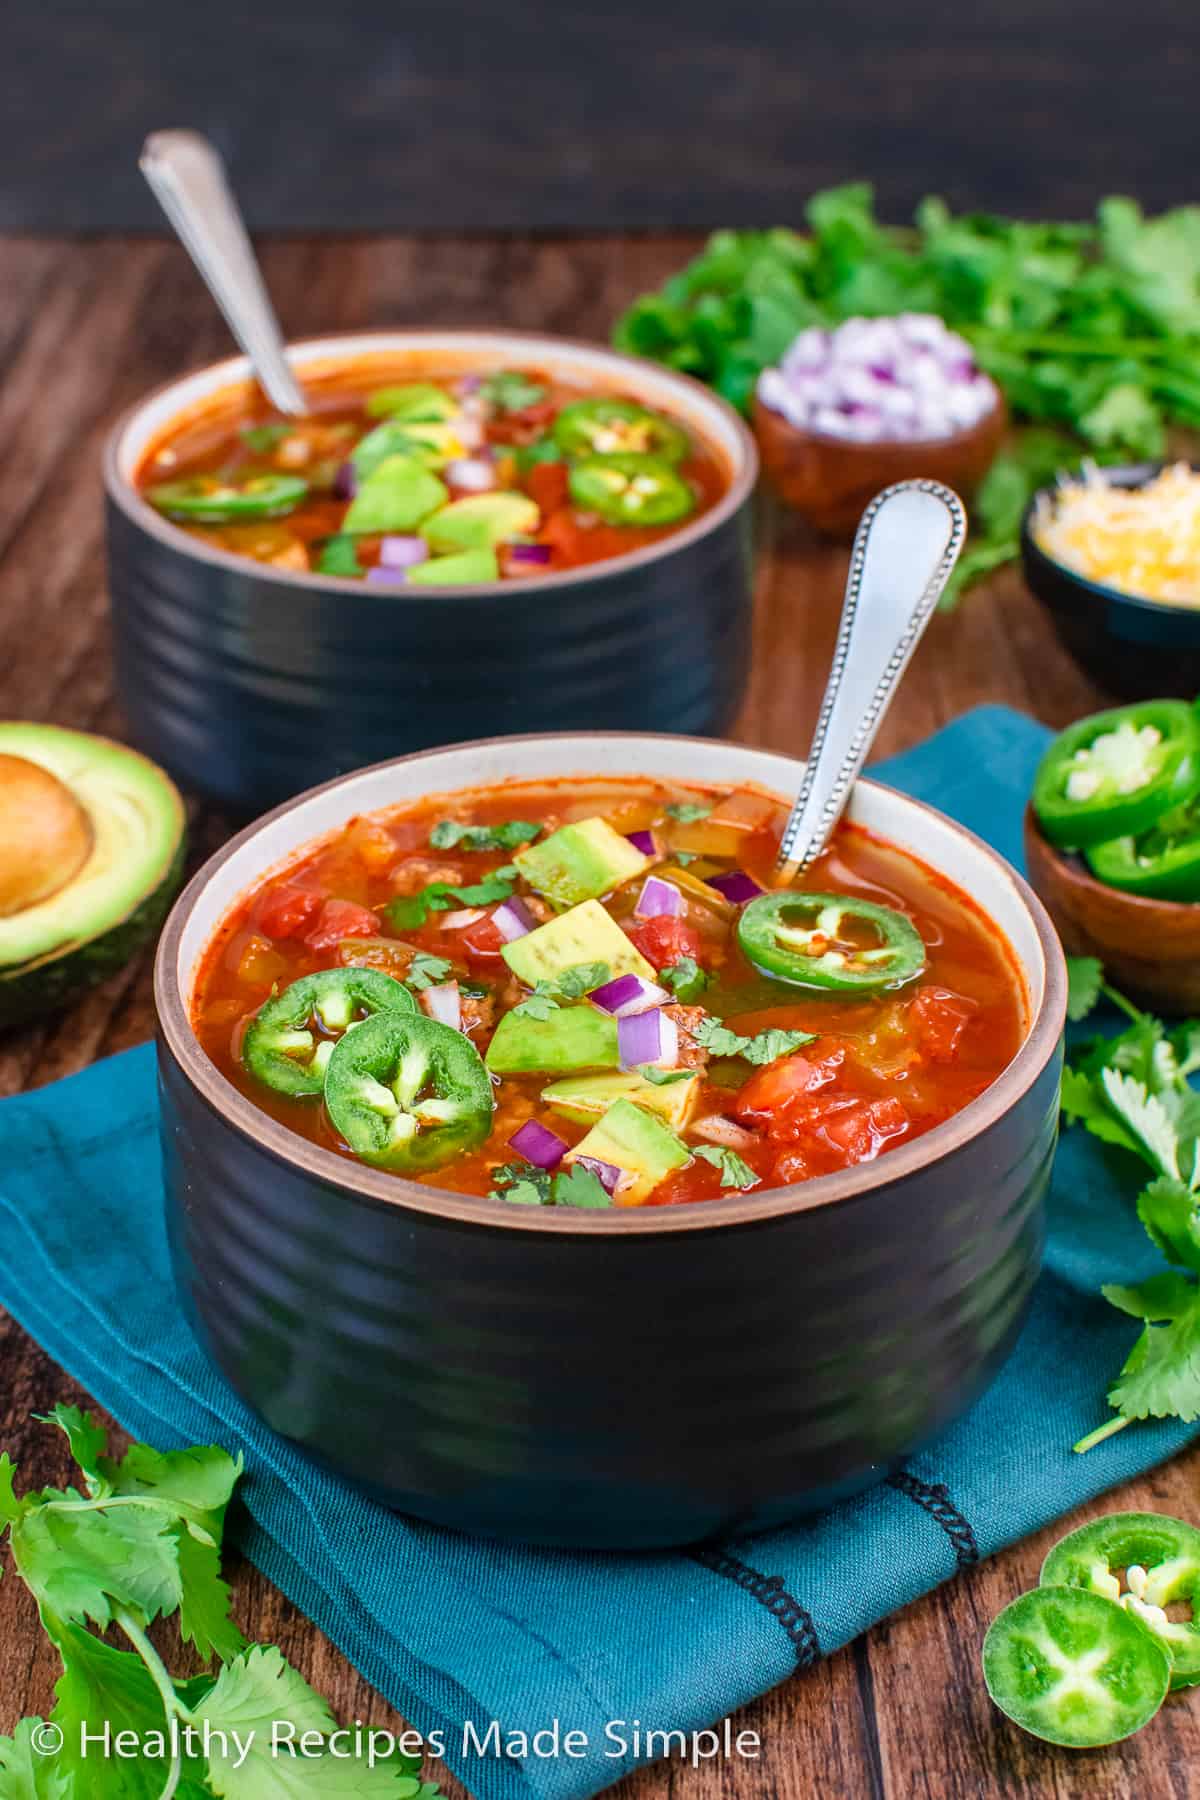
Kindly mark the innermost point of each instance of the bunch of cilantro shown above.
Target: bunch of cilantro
(1091, 330)
(140, 1541)
(1132, 1090)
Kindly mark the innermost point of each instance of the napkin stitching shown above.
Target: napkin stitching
(934, 1498)
(769, 1592)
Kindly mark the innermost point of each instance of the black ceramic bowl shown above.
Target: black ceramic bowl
(1136, 649)
(251, 683)
(633, 1378)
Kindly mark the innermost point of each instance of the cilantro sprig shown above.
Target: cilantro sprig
(688, 811)
(448, 834)
(521, 1184)
(408, 912)
(763, 1047)
(685, 978)
(1131, 1090)
(571, 984)
(508, 390)
(426, 971)
(139, 1541)
(735, 1173)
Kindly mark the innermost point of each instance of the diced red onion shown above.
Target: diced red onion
(628, 994)
(345, 482)
(458, 921)
(444, 1004)
(469, 384)
(402, 552)
(544, 1148)
(387, 577)
(535, 555)
(658, 899)
(474, 474)
(512, 919)
(648, 1037)
(716, 1129)
(736, 886)
(643, 841)
(606, 1173)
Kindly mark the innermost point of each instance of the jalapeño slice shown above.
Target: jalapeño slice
(1072, 1668)
(1114, 774)
(616, 427)
(1162, 864)
(1160, 1558)
(204, 500)
(407, 1092)
(832, 941)
(283, 1046)
(631, 490)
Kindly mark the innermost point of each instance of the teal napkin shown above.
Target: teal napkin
(453, 1630)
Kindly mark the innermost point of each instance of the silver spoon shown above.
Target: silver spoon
(188, 179)
(907, 542)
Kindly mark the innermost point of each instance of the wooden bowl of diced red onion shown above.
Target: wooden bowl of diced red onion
(850, 410)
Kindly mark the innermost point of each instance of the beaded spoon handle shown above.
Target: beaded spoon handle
(907, 543)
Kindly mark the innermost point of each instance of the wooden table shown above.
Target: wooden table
(87, 327)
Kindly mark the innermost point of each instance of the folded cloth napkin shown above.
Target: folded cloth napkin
(452, 1630)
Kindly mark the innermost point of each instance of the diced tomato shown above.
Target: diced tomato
(482, 941)
(769, 1094)
(340, 919)
(664, 941)
(940, 1017)
(860, 1131)
(547, 484)
(284, 911)
(560, 530)
(701, 1180)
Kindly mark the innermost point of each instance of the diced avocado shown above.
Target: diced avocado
(481, 522)
(454, 571)
(580, 862)
(585, 934)
(395, 496)
(91, 852)
(637, 1143)
(411, 400)
(573, 1037)
(428, 442)
(587, 1097)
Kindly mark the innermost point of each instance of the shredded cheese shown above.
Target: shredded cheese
(1144, 541)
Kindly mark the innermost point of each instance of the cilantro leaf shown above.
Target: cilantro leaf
(426, 971)
(687, 811)
(684, 857)
(1145, 1118)
(539, 1004)
(83, 1564)
(338, 555)
(580, 1187)
(734, 1172)
(1085, 977)
(763, 1047)
(1168, 1210)
(448, 833)
(27, 1775)
(524, 1185)
(101, 1686)
(87, 1440)
(10, 1506)
(262, 439)
(508, 390)
(1161, 1378)
(408, 912)
(685, 978)
(571, 984)
(664, 1077)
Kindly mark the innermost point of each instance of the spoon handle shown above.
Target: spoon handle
(907, 543)
(188, 179)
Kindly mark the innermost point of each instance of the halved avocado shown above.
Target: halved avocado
(91, 845)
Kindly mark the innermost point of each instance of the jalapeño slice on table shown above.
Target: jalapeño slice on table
(1115, 774)
(1161, 1560)
(833, 941)
(283, 1046)
(631, 490)
(1072, 1668)
(206, 500)
(1162, 864)
(617, 427)
(407, 1092)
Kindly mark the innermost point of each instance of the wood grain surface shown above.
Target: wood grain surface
(84, 329)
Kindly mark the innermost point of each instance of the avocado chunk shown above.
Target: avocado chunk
(428, 442)
(638, 1144)
(411, 400)
(586, 934)
(81, 916)
(455, 571)
(397, 494)
(580, 862)
(585, 1098)
(481, 521)
(573, 1037)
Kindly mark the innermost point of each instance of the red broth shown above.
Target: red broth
(501, 434)
(881, 1069)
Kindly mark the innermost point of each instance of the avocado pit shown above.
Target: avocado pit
(45, 834)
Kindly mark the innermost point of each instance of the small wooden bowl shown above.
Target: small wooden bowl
(830, 481)
(1150, 948)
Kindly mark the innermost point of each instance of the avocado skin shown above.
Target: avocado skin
(31, 990)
